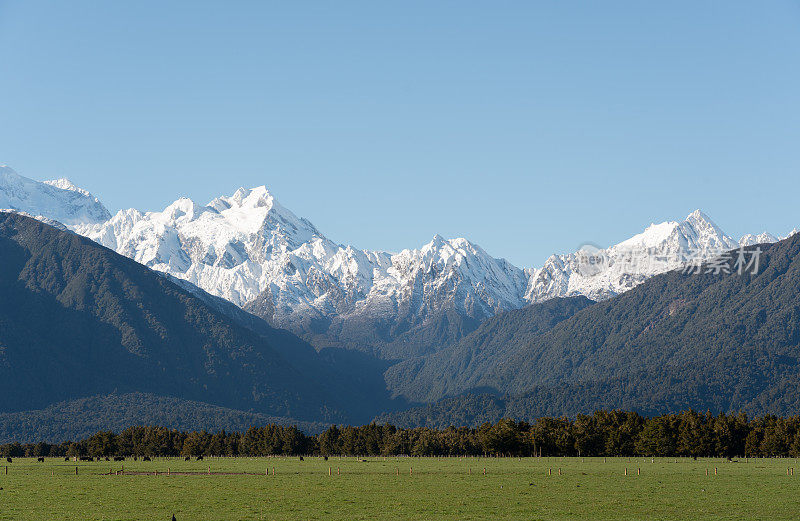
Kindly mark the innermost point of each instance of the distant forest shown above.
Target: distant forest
(604, 433)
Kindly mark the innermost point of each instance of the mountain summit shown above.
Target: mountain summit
(59, 200)
(660, 248)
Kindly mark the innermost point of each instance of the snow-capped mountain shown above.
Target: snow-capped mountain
(252, 251)
(248, 245)
(660, 248)
(762, 238)
(427, 297)
(59, 200)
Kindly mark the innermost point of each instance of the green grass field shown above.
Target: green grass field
(590, 488)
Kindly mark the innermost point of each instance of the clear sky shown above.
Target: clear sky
(527, 127)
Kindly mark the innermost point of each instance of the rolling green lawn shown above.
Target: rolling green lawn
(590, 488)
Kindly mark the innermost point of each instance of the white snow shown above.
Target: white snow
(660, 248)
(59, 200)
(762, 238)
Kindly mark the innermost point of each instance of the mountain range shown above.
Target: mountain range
(239, 309)
(257, 254)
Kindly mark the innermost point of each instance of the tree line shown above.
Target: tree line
(604, 433)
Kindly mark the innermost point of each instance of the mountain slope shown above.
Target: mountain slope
(434, 376)
(718, 341)
(59, 199)
(77, 319)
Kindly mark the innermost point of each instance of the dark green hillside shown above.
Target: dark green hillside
(433, 376)
(85, 416)
(382, 337)
(78, 320)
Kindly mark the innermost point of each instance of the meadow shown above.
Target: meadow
(349, 488)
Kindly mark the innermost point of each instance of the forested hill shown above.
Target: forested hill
(83, 417)
(428, 378)
(78, 320)
(716, 341)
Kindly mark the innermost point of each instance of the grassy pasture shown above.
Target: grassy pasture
(238, 489)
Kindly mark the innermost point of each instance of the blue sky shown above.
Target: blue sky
(527, 127)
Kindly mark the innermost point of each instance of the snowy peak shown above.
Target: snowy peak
(59, 200)
(696, 231)
(477, 284)
(445, 252)
(234, 247)
(453, 257)
(762, 238)
(65, 184)
(652, 236)
(705, 233)
(184, 209)
(661, 247)
(253, 208)
(258, 197)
